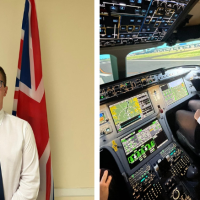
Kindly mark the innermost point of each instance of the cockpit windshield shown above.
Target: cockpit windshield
(144, 60)
(164, 56)
(106, 73)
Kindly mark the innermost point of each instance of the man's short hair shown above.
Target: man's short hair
(2, 72)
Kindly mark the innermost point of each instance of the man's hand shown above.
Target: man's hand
(104, 185)
(197, 114)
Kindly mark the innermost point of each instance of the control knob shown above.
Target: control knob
(134, 84)
(123, 88)
(163, 4)
(144, 82)
(176, 194)
(176, 7)
(117, 89)
(110, 93)
(128, 85)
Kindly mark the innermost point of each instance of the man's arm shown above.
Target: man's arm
(29, 179)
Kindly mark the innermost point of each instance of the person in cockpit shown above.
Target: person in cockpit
(109, 185)
(189, 123)
(105, 181)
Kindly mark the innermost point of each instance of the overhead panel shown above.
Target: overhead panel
(129, 22)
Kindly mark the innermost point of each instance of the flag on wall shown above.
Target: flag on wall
(29, 98)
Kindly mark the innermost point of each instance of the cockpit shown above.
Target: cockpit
(149, 70)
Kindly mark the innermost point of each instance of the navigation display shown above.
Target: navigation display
(143, 142)
(174, 91)
(129, 111)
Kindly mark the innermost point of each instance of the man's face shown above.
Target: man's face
(3, 91)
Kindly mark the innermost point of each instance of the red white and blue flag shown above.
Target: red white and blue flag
(29, 98)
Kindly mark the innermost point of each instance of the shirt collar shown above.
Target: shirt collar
(1, 115)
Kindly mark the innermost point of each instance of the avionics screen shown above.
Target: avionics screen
(174, 91)
(131, 110)
(143, 142)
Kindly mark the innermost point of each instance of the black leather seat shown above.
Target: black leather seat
(184, 141)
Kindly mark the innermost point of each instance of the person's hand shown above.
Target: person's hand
(104, 185)
(197, 114)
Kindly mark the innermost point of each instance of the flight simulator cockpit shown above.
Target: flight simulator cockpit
(139, 137)
(137, 127)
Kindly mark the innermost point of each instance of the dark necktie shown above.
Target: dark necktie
(1, 186)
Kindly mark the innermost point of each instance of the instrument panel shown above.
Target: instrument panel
(127, 104)
(117, 88)
(129, 22)
(133, 126)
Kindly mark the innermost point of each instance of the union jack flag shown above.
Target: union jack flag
(29, 98)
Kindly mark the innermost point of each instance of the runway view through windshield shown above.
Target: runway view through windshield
(150, 59)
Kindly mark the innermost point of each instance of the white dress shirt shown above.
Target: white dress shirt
(18, 159)
(198, 120)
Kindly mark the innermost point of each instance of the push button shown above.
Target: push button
(132, 2)
(147, 21)
(157, 24)
(123, 28)
(144, 12)
(113, 8)
(137, 28)
(137, 11)
(139, 1)
(130, 28)
(122, 7)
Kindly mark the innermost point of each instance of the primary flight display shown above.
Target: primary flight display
(131, 110)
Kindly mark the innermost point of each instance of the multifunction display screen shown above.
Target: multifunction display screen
(143, 142)
(129, 111)
(174, 91)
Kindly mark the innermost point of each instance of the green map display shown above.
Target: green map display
(174, 91)
(126, 110)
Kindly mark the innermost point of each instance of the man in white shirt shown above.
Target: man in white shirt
(189, 123)
(18, 154)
